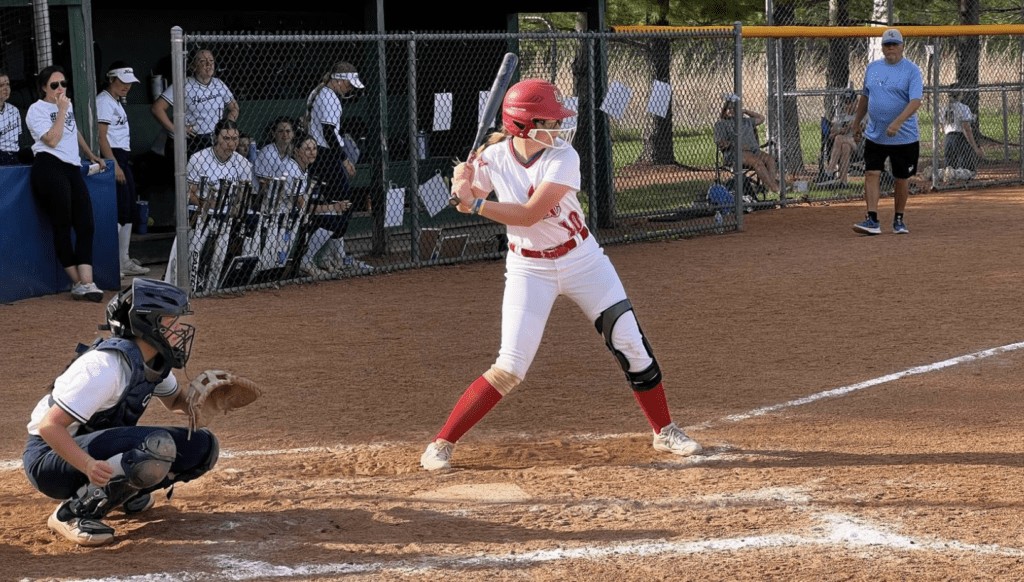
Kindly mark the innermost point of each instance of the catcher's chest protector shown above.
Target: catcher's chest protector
(136, 397)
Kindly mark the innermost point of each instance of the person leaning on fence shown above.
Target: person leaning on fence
(843, 144)
(333, 166)
(115, 143)
(960, 149)
(57, 182)
(217, 162)
(725, 138)
(890, 98)
(207, 101)
(10, 125)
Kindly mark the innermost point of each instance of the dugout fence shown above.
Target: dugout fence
(648, 103)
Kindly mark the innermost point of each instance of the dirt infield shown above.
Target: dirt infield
(860, 422)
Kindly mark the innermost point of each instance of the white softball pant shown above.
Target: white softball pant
(586, 276)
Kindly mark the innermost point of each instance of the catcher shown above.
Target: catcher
(85, 446)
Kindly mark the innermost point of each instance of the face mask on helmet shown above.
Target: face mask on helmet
(150, 310)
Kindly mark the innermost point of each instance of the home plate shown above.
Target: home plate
(481, 493)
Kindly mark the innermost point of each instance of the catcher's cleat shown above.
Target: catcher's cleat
(138, 504)
(437, 455)
(673, 440)
(80, 530)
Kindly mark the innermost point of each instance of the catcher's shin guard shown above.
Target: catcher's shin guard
(640, 381)
(141, 467)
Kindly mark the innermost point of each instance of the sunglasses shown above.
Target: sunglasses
(56, 84)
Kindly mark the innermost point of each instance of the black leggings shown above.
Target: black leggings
(60, 190)
(126, 197)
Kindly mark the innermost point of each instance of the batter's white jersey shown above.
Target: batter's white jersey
(40, 118)
(583, 274)
(499, 169)
(204, 103)
(111, 112)
(10, 128)
(92, 383)
(326, 109)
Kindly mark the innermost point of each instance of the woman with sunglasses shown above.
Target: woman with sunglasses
(57, 182)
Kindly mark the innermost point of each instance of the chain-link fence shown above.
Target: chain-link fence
(20, 27)
(358, 184)
(383, 118)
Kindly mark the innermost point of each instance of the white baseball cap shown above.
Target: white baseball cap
(892, 36)
(350, 77)
(125, 74)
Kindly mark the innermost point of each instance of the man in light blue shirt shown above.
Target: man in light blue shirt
(890, 99)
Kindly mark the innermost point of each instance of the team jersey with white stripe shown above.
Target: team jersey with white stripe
(92, 383)
(498, 169)
(204, 103)
(10, 128)
(269, 162)
(111, 112)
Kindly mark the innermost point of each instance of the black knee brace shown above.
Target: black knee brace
(639, 381)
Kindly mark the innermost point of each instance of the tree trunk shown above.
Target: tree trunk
(793, 154)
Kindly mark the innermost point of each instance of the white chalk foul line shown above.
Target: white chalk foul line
(834, 393)
(874, 382)
(837, 530)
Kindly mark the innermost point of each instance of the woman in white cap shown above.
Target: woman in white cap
(333, 167)
(115, 143)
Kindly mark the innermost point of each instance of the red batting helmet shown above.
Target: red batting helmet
(529, 100)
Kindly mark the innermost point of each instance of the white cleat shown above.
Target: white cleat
(673, 440)
(82, 531)
(437, 456)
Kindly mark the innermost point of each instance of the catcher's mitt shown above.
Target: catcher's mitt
(216, 392)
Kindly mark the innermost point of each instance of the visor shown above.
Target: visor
(350, 77)
(126, 75)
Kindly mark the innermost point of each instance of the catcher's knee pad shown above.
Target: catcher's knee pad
(144, 466)
(148, 464)
(502, 381)
(209, 460)
(640, 381)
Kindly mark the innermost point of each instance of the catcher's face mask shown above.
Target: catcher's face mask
(179, 336)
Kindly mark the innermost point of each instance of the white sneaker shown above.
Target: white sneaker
(437, 455)
(673, 440)
(78, 291)
(312, 270)
(133, 268)
(91, 292)
(82, 531)
(352, 264)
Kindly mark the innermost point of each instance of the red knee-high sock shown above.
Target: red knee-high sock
(476, 401)
(655, 407)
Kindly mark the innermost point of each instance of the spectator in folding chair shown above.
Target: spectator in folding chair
(760, 161)
(960, 149)
(844, 146)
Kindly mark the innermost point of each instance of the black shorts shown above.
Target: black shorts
(903, 158)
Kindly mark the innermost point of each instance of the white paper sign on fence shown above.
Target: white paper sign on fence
(434, 194)
(442, 111)
(395, 212)
(616, 100)
(661, 97)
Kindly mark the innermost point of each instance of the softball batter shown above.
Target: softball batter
(536, 173)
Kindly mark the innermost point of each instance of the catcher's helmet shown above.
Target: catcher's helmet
(528, 101)
(139, 311)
